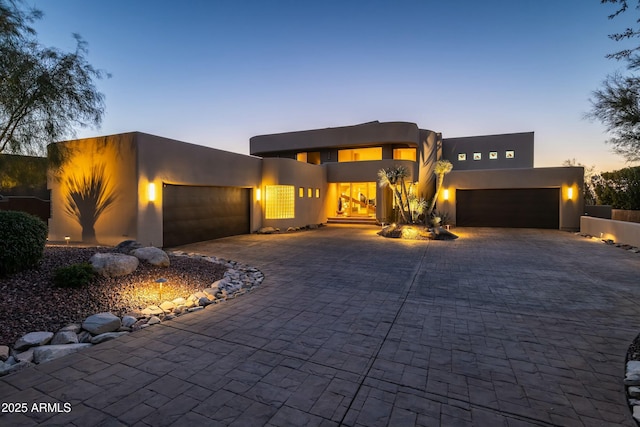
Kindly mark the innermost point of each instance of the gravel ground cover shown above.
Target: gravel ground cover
(29, 300)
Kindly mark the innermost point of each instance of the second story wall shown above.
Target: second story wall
(506, 151)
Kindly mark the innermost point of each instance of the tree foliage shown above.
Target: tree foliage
(45, 93)
(617, 104)
(620, 189)
(589, 173)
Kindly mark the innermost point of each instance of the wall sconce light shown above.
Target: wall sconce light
(445, 194)
(258, 195)
(67, 239)
(151, 192)
(570, 193)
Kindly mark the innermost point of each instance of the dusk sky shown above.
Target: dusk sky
(216, 73)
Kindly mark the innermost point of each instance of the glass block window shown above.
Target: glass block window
(279, 201)
(477, 156)
(493, 155)
(462, 157)
(510, 154)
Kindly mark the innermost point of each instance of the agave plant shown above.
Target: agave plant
(88, 197)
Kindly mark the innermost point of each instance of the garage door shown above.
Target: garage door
(531, 208)
(196, 213)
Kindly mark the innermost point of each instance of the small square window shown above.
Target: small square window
(493, 155)
(509, 154)
(462, 157)
(477, 156)
(301, 192)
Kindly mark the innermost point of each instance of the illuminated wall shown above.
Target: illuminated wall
(94, 196)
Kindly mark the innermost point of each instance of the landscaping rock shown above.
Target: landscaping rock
(46, 353)
(444, 234)
(73, 327)
(153, 320)
(65, 337)
(114, 264)
(106, 337)
(84, 337)
(33, 339)
(152, 255)
(101, 322)
(127, 246)
(6, 368)
(153, 310)
(268, 230)
(4, 353)
(167, 306)
(128, 321)
(25, 356)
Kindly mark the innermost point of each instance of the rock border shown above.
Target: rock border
(42, 346)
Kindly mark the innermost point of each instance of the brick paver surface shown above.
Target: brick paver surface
(498, 328)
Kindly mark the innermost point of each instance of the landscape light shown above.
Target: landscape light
(161, 281)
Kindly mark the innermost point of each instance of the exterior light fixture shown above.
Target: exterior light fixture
(151, 192)
(570, 193)
(445, 194)
(161, 281)
(258, 194)
(67, 239)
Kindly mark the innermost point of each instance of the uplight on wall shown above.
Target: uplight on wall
(151, 192)
(258, 195)
(445, 194)
(570, 193)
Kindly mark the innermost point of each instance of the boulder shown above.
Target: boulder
(6, 368)
(4, 353)
(46, 353)
(153, 256)
(152, 310)
(73, 327)
(65, 337)
(101, 322)
(84, 337)
(153, 320)
(444, 234)
(127, 246)
(167, 306)
(33, 339)
(114, 264)
(25, 356)
(268, 230)
(128, 321)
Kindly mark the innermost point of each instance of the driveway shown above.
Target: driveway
(500, 327)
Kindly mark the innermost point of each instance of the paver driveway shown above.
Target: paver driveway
(500, 327)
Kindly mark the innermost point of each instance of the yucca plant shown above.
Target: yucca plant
(441, 168)
(394, 178)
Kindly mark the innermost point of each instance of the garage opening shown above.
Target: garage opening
(518, 208)
(196, 213)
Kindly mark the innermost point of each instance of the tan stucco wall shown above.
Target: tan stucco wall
(278, 171)
(163, 160)
(561, 177)
(619, 231)
(117, 154)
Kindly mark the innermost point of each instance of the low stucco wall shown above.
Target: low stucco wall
(618, 231)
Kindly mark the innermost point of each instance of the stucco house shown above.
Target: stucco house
(166, 193)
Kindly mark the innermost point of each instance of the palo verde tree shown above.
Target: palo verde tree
(617, 103)
(45, 93)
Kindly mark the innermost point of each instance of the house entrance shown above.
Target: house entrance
(357, 199)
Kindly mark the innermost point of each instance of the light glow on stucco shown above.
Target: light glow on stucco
(279, 201)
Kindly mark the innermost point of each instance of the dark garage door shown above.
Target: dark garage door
(193, 213)
(531, 208)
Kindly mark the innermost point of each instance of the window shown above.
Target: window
(312, 157)
(462, 157)
(493, 155)
(317, 193)
(404, 154)
(477, 156)
(360, 154)
(509, 154)
(309, 192)
(301, 192)
(279, 201)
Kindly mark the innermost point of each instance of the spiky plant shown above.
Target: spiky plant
(394, 178)
(88, 197)
(441, 168)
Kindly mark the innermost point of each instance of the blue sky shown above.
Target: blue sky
(216, 73)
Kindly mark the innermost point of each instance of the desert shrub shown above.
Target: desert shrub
(74, 276)
(22, 240)
(439, 219)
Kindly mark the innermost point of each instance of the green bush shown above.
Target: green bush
(74, 276)
(22, 240)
